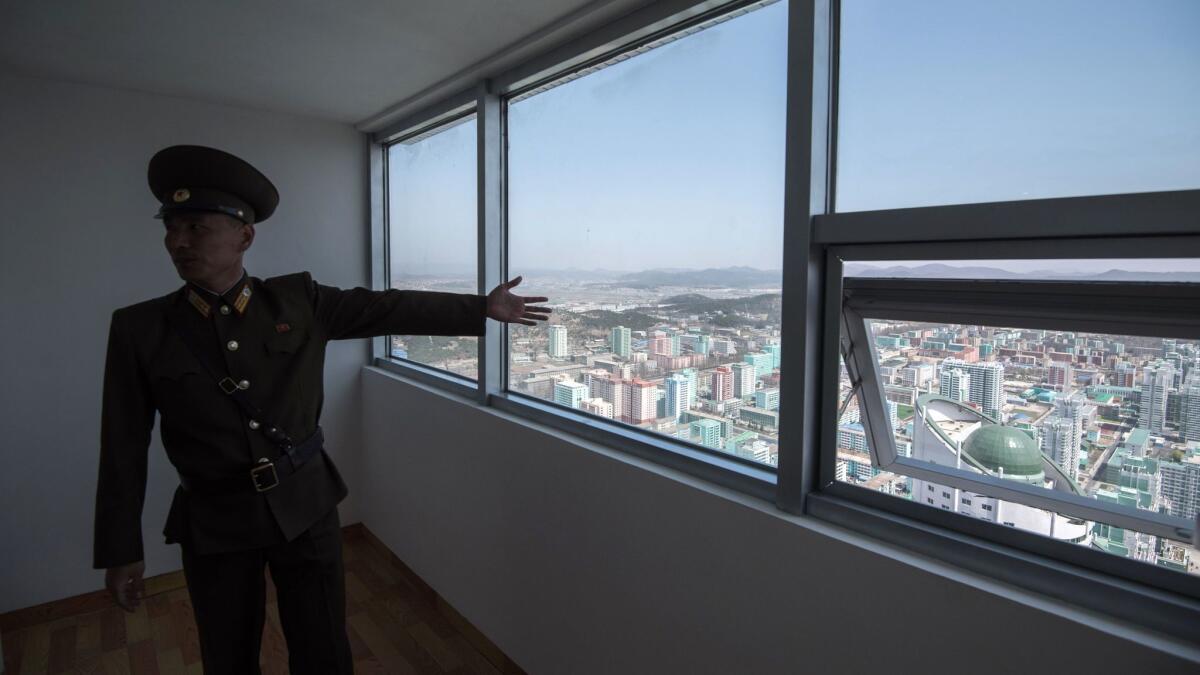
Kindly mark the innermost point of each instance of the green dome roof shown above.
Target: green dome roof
(995, 447)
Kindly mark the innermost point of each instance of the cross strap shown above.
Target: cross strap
(229, 386)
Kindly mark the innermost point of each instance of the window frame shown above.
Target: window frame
(1080, 306)
(721, 467)
(430, 122)
(634, 33)
(851, 505)
(804, 482)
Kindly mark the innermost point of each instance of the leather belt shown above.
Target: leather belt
(261, 477)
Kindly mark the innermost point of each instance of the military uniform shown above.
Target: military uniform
(267, 338)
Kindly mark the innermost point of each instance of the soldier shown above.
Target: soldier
(233, 365)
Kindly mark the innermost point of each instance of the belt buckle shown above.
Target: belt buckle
(256, 473)
(228, 388)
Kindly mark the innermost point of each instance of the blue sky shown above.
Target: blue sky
(960, 101)
(674, 158)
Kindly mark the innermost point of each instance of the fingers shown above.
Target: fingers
(514, 282)
(527, 323)
(536, 309)
(530, 298)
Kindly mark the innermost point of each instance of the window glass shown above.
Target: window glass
(432, 221)
(1111, 417)
(951, 102)
(646, 201)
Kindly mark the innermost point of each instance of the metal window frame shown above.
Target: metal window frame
(943, 300)
(814, 236)
(428, 122)
(610, 44)
(638, 31)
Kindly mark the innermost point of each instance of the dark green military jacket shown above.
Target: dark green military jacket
(271, 333)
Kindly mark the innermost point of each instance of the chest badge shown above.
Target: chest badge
(282, 328)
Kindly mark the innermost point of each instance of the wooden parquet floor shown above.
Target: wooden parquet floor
(396, 625)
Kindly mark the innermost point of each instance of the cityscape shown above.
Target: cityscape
(1114, 418)
(690, 354)
(694, 354)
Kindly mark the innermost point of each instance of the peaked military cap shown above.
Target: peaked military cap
(197, 178)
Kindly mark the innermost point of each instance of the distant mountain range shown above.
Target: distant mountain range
(726, 277)
(751, 277)
(942, 271)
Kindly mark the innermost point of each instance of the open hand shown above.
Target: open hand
(509, 308)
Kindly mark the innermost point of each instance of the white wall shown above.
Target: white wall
(574, 559)
(79, 241)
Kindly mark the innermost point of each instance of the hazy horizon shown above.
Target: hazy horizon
(1092, 266)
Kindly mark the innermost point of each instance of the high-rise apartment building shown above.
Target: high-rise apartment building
(744, 377)
(558, 341)
(691, 374)
(1060, 441)
(986, 385)
(955, 385)
(660, 343)
(1125, 374)
(1189, 407)
(619, 341)
(1060, 375)
(852, 437)
(1157, 379)
(721, 384)
(643, 401)
(1180, 484)
(612, 390)
(679, 394)
(774, 350)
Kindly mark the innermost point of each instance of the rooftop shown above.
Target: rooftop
(1001, 448)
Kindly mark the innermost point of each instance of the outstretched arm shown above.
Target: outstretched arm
(358, 312)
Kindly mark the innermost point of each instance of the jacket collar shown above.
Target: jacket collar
(206, 302)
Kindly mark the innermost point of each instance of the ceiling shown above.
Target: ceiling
(350, 61)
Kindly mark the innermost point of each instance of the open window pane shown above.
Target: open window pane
(1110, 417)
(949, 102)
(646, 200)
(432, 225)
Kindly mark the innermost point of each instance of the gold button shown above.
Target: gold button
(244, 384)
(224, 309)
(253, 424)
(232, 345)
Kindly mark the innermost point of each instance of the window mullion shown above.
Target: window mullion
(806, 178)
(491, 233)
(380, 260)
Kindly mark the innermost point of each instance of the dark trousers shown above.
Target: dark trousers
(228, 592)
